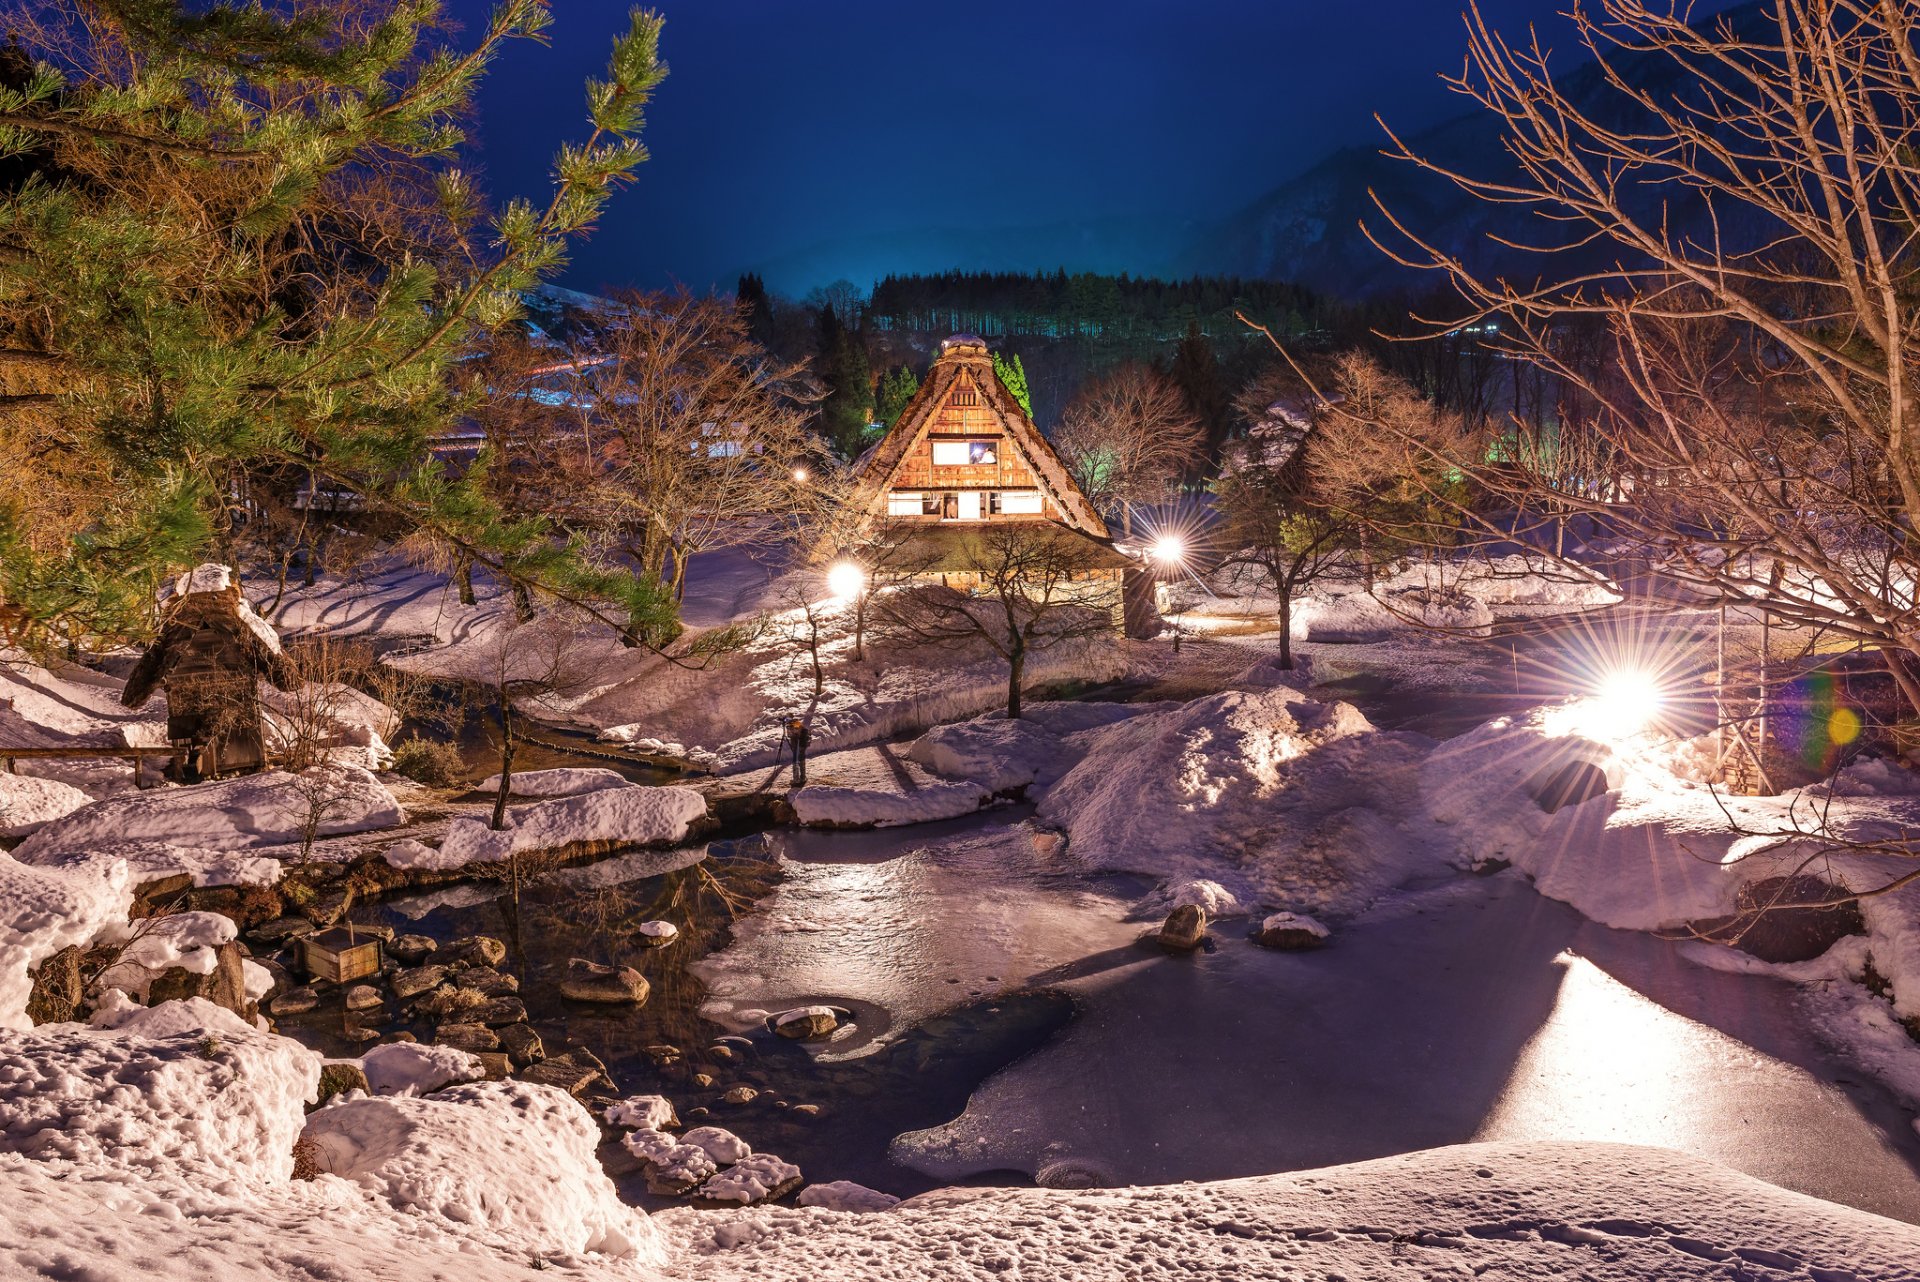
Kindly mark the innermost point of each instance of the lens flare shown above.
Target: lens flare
(1169, 549)
(1625, 703)
(846, 580)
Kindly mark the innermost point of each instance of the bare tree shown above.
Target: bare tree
(1127, 439)
(1742, 237)
(528, 668)
(1029, 586)
(696, 438)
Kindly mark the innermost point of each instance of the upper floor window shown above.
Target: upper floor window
(965, 453)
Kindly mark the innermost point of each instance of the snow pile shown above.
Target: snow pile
(845, 1195)
(28, 804)
(64, 705)
(1275, 796)
(1209, 896)
(43, 910)
(1545, 1210)
(410, 853)
(1358, 616)
(1511, 580)
(993, 752)
(181, 1089)
(249, 812)
(561, 782)
(510, 1162)
(877, 787)
(190, 941)
(411, 1068)
(628, 815)
(642, 1113)
(751, 1179)
(348, 724)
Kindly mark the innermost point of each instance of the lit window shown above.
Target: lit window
(965, 453)
(1020, 502)
(904, 503)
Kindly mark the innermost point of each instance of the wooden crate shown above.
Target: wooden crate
(340, 955)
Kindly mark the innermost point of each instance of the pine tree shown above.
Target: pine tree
(1197, 372)
(752, 293)
(897, 387)
(848, 407)
(234, 239)
(1013, 376)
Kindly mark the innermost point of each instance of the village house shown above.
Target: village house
(964, 458)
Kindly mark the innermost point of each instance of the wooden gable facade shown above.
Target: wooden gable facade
(964, 452)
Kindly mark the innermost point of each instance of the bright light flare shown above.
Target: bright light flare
(846, 580)
(1169, 549)
(800, 475)
(1625, 703)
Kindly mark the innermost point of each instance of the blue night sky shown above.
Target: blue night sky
(785, 127)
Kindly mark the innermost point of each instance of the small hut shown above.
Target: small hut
(209, 656)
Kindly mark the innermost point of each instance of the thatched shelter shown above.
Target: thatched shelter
(209, 656)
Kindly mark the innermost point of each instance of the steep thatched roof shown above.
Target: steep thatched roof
(962, 355)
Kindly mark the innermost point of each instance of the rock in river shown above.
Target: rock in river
(614, 985)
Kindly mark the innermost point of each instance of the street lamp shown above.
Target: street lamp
(1169, 552)
(848, 582)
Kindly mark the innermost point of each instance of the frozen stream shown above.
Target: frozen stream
(1472, 1010)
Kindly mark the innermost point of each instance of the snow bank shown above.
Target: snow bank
(411, 1068)
(995, 753)
(628, 815)
(1546, 1210)
(845, 1195)
(561, 782)
(877, 787)
(233, 814)
(28, 804)
(183, 1089)
(1277, 797)
(43, 910)
(510, 1162)
(1357, 616)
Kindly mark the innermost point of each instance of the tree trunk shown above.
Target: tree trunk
(522, 602)
(506, 764)
(1016, 672)
(463, 575)
(1286, 627)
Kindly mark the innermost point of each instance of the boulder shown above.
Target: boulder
(502, 1010)
(337, 1077)
(1290, 931)
(411, 983)
(572, 1072)
(1185, 929)
(740, 1095)
(489, 982)
(497, 1067)
(475, 950)
(411, 949)
(643, 1113)
(58, 988)
(225, 986)
(1787, 919)
(673, 1168)
(845, 1195)
(760, 1178)
(588, 981)
(722, 1145)
(523, 1044)
(467, 1037)
(807, 1024)
(655, 934)
(282, 929)
(364, 997)
(295, 1001)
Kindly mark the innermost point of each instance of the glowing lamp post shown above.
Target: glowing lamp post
(1169, 552)
(848, 582)
(799, 476)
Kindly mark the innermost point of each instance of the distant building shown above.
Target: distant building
(964, 457)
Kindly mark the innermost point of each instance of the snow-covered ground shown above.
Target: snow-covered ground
(1515, 1028)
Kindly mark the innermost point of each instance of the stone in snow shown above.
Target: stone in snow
(760, 1178)
(673, 1167)
(588, 981)
(656, 934)
(523, 1044)
(1185, 929)
(845, 1195)
(1291, 931)
(643, 1113)
(807, 1023)
(722, 1145)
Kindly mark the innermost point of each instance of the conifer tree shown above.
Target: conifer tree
(1197, 372)
(1013, 376)
(897, 387)
(848, 407)
(235, 237)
